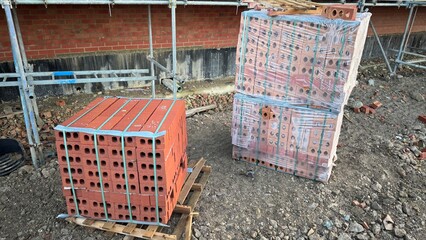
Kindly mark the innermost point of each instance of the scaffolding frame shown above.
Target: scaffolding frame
(413, 6)
(25, 79)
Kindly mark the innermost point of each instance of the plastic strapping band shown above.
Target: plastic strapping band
(296, 158)
(124, 158)
(64, 216)
(314, 62)
(155, 161)
(268, 45)
(144, 134)
(70, 174)
(243, 52)
(319, 146)
(279, 137)
(258, 133)
(95, 140)
(241, 125)
(256, 54)
(336, 77)
(293, 34)
(279, 54)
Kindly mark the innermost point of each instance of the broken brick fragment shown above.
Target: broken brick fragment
(422, 118)
(376, 104)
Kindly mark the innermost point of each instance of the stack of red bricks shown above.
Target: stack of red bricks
(112, 120)
(294, 74)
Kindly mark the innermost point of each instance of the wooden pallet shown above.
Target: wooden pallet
(286, 7)
(191, 192)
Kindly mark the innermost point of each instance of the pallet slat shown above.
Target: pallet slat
(190, 180)
(130, 227)
(194, 184)
(118, 228)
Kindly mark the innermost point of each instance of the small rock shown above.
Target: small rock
(64, 231)
(403, 194)
(357, 104)
(274, 223)
(376, 229)
(376, 206)
(313, 206)
(356, 227)
(388, 223)
(253, 234)
(344, 236)
(399, 76)
(197, 233)
(310, 232)
(45, 172)
(407, 209)
(417, 96)
(371, 82)
(400, 232)
(401, 172)
(47, 114)
(25, 169)
(362, 236)
(376, 187)
(328, 224)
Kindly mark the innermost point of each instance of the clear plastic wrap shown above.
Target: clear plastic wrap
(301, 59)
(284, 137)
(294, 73)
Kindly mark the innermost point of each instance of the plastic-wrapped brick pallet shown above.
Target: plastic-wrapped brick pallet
(294, 74)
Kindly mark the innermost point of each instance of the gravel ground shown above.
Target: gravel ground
(377, 189)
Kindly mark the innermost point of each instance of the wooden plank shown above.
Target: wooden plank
(182, 209)
(108, 225)
(118, 228)
(190, 180)
(197, 187)
(193, 111)
(150, 231)
(181, 225)
(207, 169)
(294, 11)
(196, 194)
(130, 227)
(188, 228)
(302, 3)
(190, 165)
(88, 221)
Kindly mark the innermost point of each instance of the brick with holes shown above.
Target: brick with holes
(100, 165)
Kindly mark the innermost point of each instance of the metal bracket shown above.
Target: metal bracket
(6, 2)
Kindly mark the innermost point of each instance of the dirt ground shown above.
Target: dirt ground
(376, 175)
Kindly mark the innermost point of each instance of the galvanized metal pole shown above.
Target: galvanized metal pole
(151, 50)
(27, 67)
(401, 48)
(381, 47)
(174, 64)
(30, 124)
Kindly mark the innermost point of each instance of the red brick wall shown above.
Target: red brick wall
(58, 30)
(391, 20)
(74, 29)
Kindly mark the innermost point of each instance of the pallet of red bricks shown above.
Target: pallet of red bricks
(123, 159)
(294, 74)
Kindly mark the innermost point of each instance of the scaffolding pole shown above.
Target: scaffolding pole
(27, 108)
(174, 66)
(151, 50)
